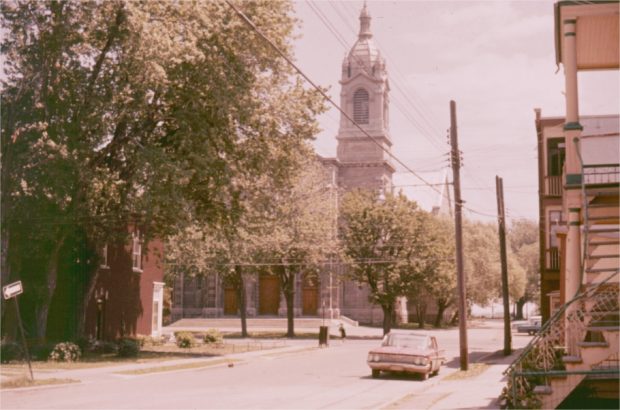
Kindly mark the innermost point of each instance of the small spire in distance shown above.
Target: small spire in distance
(365, 23)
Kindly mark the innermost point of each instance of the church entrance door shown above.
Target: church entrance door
(268, 294)
(309, 297)
(230, 301)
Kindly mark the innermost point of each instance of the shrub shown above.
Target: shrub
(185, 340)
(213, 336)
(103, 347)
(128, 347)
(65, 352)
(41, 351)
(152, 341)
(10, 351)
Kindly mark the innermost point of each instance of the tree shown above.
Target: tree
(482, 265)
(298, 229)
(441, 282)
(523, 239)
(119, 113)
(384, 241)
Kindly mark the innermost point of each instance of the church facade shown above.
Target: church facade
(362, 161)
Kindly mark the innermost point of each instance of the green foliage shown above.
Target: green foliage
(128, 347)
(115, 112)
(41, 351)
(185, 340)
(65, 352)
(103, 347)
(386, 244)
(213, 336)
(10, 351)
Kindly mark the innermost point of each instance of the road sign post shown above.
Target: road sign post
(11, 291)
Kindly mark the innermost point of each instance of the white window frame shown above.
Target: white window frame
(136, 252)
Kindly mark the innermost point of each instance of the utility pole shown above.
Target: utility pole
(501, 220)
(458, 228)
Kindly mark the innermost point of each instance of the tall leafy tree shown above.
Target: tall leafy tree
(385, 242)
(441, 281)
(523, 240)
(298, 229)
(126, 112)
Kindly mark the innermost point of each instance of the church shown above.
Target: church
(362, 161)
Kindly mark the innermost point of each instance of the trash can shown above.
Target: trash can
(323, 336)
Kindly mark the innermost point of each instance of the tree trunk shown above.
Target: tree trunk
(90, 290)
(387, 318)
(421, 313)
(289, 295)
(240, 287)
(441, 308)
(520, 303)
(43, 308)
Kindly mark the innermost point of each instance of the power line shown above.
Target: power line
(327, 97)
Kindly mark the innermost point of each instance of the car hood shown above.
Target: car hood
(401, 350)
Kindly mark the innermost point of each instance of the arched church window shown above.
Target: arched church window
(360, 106)
(349, 70)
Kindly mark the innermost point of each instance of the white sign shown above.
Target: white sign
(13, 289)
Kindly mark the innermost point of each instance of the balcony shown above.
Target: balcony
(601, 174)
(552, 259)
(553, 186)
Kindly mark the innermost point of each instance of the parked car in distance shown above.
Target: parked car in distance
(406, 352)
(531, 327)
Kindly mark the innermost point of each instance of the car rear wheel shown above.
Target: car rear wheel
(375, 373)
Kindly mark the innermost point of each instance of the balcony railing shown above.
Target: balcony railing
(553, 259)
(601, 174)
(553, 185)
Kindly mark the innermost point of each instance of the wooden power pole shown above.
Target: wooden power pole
(458, 230)
(501, 219)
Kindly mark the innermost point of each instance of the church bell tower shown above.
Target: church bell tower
(364, 96)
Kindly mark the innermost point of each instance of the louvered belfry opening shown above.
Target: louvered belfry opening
(360, 106)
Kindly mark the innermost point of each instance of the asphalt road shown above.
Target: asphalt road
(330, 378)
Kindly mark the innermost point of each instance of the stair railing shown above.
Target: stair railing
(542, 357)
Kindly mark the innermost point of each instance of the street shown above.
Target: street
(329, 378)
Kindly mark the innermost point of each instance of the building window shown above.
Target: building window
(104, 257)
(555, 220)
(136, 252)
(360, 106)
(555, 155)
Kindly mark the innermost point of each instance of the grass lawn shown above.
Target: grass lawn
(148, 354)
(24, 381)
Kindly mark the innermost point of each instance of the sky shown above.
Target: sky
(495, 59)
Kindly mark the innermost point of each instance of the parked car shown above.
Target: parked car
(407, 352)
(531, 327)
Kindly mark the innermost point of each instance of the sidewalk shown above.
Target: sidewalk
(474, 392)
(302, 325)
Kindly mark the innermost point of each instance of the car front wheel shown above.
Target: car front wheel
(375, 373)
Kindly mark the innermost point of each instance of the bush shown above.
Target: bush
(128, 347)
(41, 351)
(66, 352)
(152, 341)
(213, 336)
(103, 347)
(185, 340)
(10, 351)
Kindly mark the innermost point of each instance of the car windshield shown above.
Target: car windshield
(411, 341)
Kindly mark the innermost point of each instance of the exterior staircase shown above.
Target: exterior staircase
(582, 339)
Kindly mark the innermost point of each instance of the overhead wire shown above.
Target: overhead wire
(251, 24)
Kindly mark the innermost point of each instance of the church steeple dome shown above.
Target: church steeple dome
(365, 23)
(364, 55)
